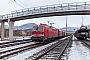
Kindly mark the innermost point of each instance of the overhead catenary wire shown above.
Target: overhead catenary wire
(18, 3)
(14, 1)
(22, 3)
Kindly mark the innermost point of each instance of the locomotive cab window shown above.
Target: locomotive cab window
(38, 28)
(83, 27)
(35, 28)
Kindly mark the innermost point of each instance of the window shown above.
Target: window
(83, 27)
(35, 28)
(38, 28)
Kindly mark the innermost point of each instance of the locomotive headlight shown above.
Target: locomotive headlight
(33, 34)
(41, 35)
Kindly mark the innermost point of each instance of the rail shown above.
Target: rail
(52, 52)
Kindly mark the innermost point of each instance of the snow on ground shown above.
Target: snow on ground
(16, 46)
(17, 38)
(74, 38)
(23, 56)
(26, 54)
(22, 38)
(64, 38)
(88, 38)
(77, 52)
(3, 41)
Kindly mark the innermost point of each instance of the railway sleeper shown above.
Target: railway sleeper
(54, 54)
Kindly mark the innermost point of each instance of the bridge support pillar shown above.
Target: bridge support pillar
(2, 33)
(11, 25)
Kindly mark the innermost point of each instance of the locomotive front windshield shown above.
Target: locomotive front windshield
(82, 27)
(38, 28)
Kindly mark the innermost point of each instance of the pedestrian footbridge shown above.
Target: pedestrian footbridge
(78, 8)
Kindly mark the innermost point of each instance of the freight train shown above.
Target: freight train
(44, 33)
(82, 33)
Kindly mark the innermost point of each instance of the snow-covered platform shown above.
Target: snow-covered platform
(77, 52)
(3, 41)
(16, 38)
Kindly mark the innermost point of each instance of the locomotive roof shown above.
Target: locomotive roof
(43, 24)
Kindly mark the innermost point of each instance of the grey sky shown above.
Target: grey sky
(6, 6)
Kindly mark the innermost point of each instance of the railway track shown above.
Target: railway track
(13, 43)
(10, 52)
(86, 43)
(52, 52)
(7, 52)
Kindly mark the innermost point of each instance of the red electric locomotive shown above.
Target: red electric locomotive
(44, 33)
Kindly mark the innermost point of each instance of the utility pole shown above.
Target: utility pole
(58, 26)
(48, 22)
(82, 20)
(66, 25)
(51, 24)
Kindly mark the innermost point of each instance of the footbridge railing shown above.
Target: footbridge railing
(47, 9)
